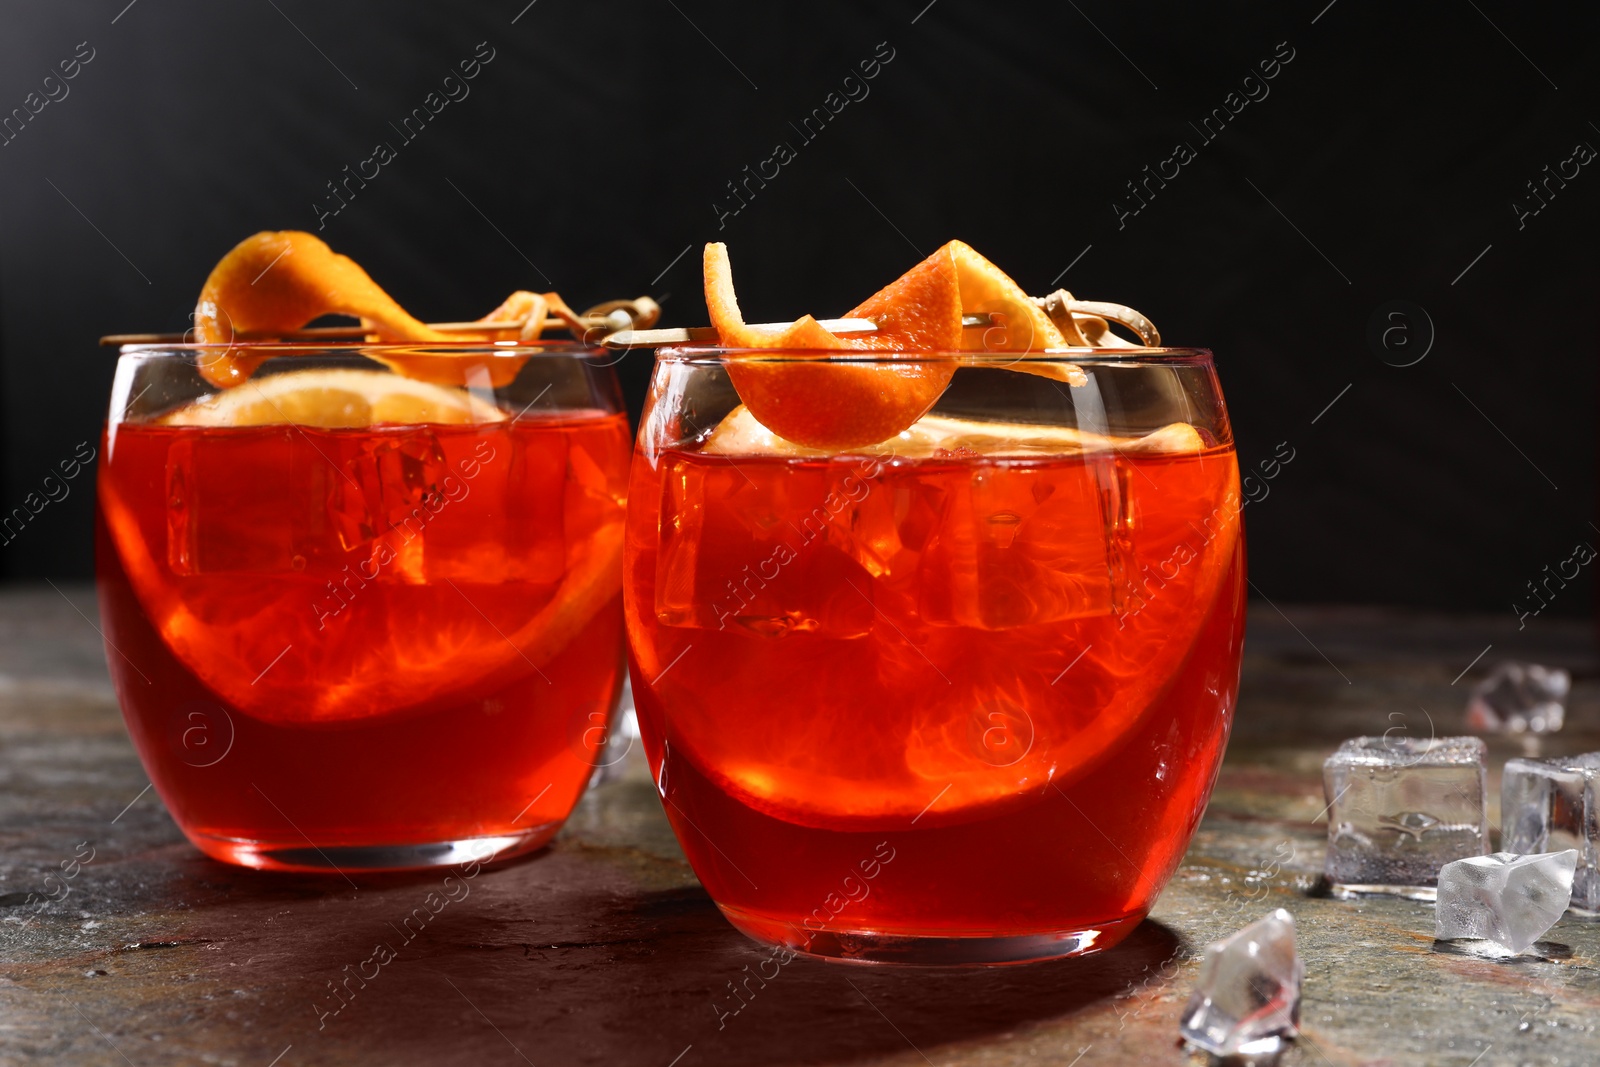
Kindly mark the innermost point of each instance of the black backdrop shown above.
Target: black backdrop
(1383, 162)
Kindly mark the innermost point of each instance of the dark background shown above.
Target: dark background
(1381, 166)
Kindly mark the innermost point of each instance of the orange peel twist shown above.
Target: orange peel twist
(276, 282)
(823, 403)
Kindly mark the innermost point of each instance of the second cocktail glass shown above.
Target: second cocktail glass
(956, 698)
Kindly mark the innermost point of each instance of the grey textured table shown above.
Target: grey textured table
(604, 949)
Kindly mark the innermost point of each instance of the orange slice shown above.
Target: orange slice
(740, 434)
(214, 628)
(212, 622)
(331, 399)
(276, 282)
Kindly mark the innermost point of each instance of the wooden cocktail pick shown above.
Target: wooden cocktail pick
(613, 316)
(1082, 321)
(626, 324)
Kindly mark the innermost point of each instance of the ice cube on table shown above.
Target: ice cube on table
(1519, 698)
(1505, 898)
(1547, 805)
(1247, 999)
(1399, 809)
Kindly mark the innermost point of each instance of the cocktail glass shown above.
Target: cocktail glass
(957, 698)
(356, 618)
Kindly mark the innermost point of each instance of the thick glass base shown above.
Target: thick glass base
(930, 950)
(1342, 891)
(305, 857)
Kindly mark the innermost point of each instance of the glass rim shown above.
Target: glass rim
(1117, 356)
(360, 348)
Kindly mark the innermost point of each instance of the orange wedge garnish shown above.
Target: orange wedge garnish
(830, 405)
(278, 281)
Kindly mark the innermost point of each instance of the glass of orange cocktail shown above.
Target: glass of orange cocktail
(363, 610)
(957, 696)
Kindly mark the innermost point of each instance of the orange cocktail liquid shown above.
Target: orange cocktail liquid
(365, 637)
(939, 697)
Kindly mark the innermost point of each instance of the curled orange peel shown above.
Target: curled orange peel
(824, 404)
(278, 281)
(820, 403)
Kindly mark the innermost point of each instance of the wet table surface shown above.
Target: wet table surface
(604, 949)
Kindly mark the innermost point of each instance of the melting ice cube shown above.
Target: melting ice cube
(1019, 547)
(219, 522)
(1248, 996)
(386, 483)
(1547, 805)
(772, 556)
(1505, 898)
(1519, 698)
(1399, 809)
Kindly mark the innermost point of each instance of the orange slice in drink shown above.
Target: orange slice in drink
(334, 398)
(739, 434)
(218, 635)
(427, 647)
(988, 664)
